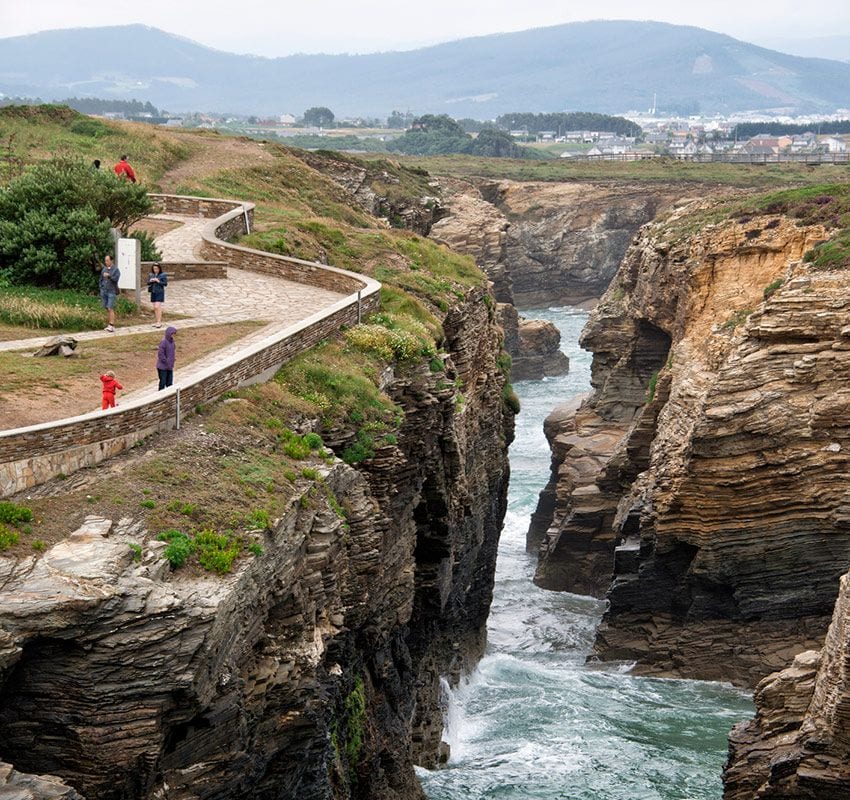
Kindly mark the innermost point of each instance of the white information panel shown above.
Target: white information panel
(128, 258)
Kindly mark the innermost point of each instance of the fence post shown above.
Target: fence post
(359, 307)
(177, 407)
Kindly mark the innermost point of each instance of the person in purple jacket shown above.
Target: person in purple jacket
(165, 358)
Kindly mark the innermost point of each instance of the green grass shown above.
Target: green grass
(55, 309)
(651, 171)
(37, 132)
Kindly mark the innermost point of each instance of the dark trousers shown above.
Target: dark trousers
(166, 377)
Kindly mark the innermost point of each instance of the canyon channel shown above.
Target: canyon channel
(535, 721)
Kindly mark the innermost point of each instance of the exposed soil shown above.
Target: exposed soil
(45, 389)
(216, 155)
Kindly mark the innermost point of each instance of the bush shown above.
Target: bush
(216, 551)
(55, 222)
(772, 287)
(180, 547)
(13, 514)
(148, 247)
(8, 538)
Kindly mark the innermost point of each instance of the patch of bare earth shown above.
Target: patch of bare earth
(213, 156)
(46, 389)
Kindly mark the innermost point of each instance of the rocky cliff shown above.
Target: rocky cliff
(310, 671)
(798, 745)
(543, 244)
(546, 243)
(708, 470)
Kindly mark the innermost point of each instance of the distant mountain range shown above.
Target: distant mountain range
(608, 67)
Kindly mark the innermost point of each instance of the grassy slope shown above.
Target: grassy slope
(654, 171)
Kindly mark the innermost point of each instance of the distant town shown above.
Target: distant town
(739, 137)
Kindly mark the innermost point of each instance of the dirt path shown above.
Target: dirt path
(215, 156)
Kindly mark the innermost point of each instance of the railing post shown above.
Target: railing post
(359, 307)
(247, 221)
(177, 407)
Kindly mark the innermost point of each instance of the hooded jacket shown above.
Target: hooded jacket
(110, 384)
(166, 351)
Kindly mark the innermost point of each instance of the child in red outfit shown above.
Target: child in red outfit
(109, 387)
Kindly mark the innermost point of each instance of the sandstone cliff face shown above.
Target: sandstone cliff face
(714, 456)
(798, 745)
(566, 240)
(543, 244)
(313, 670)
(546, 243)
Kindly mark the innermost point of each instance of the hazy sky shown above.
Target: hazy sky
(275, 28)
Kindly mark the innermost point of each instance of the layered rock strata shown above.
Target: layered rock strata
(718, 432)
(312, 671)
(798, 745)
(546, 243)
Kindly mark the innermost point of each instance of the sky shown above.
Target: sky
(275, 28)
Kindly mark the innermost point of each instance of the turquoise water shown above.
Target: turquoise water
(533, 721)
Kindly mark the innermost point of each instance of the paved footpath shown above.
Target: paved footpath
(243, 295)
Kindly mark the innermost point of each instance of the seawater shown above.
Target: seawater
(534, 721)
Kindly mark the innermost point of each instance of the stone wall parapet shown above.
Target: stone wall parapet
(34, 454)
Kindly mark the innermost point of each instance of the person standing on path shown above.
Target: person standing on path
(165, 358)
(124, 170)
(157, 281)
(109, 275)
(109, 387)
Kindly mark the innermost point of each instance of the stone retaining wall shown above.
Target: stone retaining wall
(188, 270)
(32, 455)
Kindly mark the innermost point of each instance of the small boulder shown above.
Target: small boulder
(58, 346)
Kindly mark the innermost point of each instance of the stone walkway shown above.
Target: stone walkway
(242, 296)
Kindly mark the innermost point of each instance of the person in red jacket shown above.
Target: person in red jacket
(109, 387)
(124, 170)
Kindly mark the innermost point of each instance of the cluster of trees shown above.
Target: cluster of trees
(439, 134)
(571, 121)
(746, 130)
(94, 105)
(56, 221)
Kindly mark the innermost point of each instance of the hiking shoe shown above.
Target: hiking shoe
(109, 328)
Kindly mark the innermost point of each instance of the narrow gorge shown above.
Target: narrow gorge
(673, 533)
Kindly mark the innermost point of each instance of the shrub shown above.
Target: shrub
(136, 550)
(147, 504)
(388, 344)
(13, 514)
(510, 399)
(148, 246)
(180, 547)
(8, 538)
(55, 223)
(313, 441)
(255, 548)
(259, 518)
(772, 287)
(39, 546)
(216, 551)
(653, 385)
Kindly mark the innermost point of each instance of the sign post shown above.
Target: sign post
(128, 258)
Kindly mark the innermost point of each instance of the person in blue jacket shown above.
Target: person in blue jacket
(157, 281)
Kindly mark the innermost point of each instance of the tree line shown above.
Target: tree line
(746, 130)
(568, 121)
